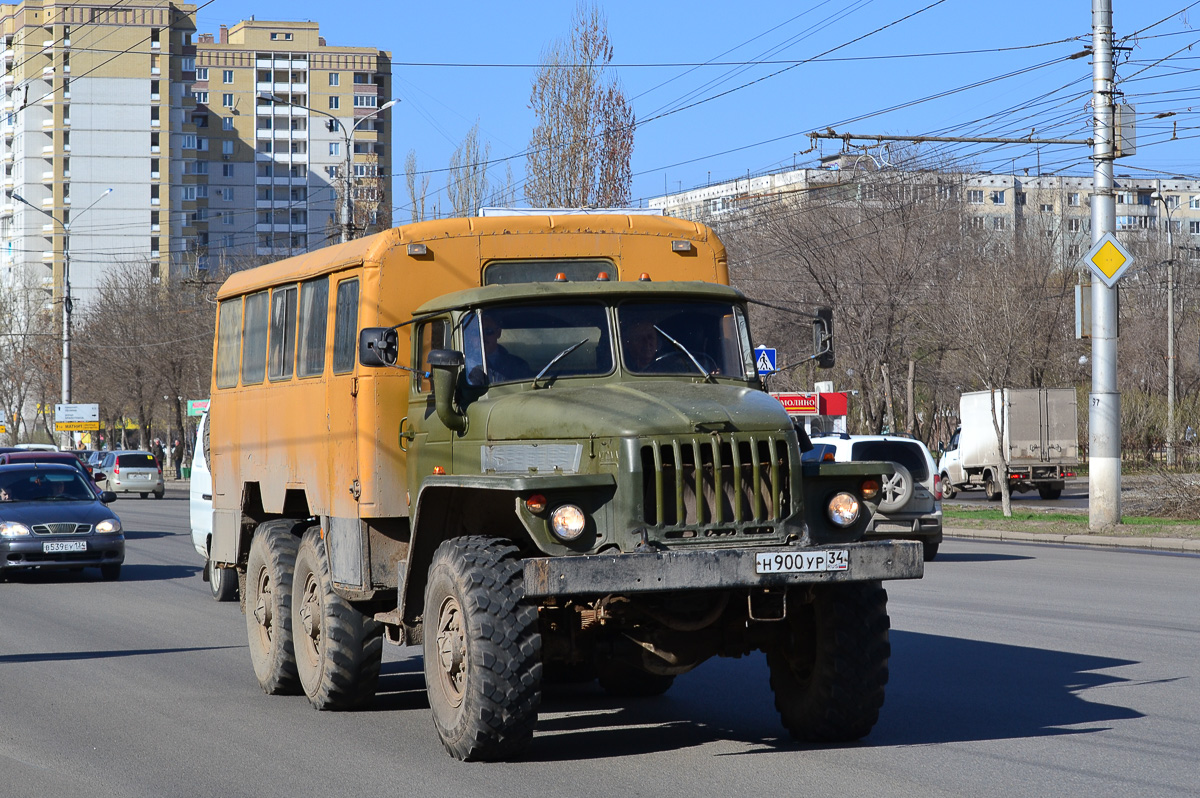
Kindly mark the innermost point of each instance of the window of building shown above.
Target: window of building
(1174, 225)
(335, 148)
(1172, 201)
(366, 101)
(999, 223)
(333, 103)
(1194, 202)
(201, 97)
(334, 78)
(227, 147)
(227, 76)
(227, 99)
(976, 222)
(227, 194)
(188, 193)
(187, 63)
(227, 123)
(189, 141)
(1046, 207)
(345, 326)
(1126, 198)
(1075, 225)
(975, 196)
(201, 73)
(281, 37)
(1194, 228)
(361, 78)
(1073, 199)
(199, 120)
(1073, 252)
(227, 171)
(997, 197)
(202, 191)
(1021, 197)
(1133, 222)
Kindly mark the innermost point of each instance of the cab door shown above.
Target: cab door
(429, 442)
(343, 485)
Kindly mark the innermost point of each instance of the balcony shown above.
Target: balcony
(7, 57)
(48, 256)
(48, 228)
(6, 211)
(48, 73)
(7, 82)
(47, 177)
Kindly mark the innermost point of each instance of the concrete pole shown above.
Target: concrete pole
(347, 208)
(1104, 407)
(65, 443)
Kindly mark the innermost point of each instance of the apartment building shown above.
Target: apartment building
(1056, 206)
(277, 112)
(89, 94)
(201, 162)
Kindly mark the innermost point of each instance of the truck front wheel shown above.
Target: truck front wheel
(948, 490)
(483, 669)
(1049, 492)
(830, 665)
(269, 570)
(338, 649)
(991, 488)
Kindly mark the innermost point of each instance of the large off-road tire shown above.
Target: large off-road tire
(621, 679)
(222, 582)
(931, 550)
(269, 570)
(338, 649)
(483, 669)
(1048, 493)
(830, 665)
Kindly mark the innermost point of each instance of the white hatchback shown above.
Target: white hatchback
(222, 582)
(910, 506)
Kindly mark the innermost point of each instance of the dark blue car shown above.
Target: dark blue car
(51, 516)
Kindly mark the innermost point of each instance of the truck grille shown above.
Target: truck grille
(716, 485)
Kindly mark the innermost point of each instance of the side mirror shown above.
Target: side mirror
(378, 346)
(941, 446)
(447, 366)
(99, 476)
(107, 496)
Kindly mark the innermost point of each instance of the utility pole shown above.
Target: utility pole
(1104, 405)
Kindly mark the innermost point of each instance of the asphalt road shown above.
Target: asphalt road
(1074, 497)
(1016, 670)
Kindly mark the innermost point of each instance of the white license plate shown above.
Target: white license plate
(801, 562)
(138, 475)
(71, 545)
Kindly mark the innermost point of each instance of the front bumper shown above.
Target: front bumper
(28, 552)
(668, 571)
(925, 527)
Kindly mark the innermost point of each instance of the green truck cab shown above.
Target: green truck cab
(601, 489)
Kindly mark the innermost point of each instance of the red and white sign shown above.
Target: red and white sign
(814, 404)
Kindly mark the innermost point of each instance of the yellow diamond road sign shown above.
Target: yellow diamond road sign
(1108, 260)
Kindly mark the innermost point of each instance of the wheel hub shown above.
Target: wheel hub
(452, 650)
(310, 613)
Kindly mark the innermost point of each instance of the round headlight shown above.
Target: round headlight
(108, 526)
(843, 509)
(11, 529)
(567, 522)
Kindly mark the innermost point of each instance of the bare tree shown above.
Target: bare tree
(29, 355)
(466, 182)
(418, 187)
(580, 149)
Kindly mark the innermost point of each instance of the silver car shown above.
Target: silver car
(130, 471)
(910, 506)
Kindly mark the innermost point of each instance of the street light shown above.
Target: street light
(66, 294)
(347, 136)
(1170, 331)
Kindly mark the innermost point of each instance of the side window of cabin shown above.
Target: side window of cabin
(282, 353)
(229, 335)
(314, 314)
(345, 326)
(254, 339)
(433, 334)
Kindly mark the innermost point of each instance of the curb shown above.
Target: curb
(1103, 541)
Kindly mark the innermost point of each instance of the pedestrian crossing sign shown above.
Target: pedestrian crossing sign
(764, 358)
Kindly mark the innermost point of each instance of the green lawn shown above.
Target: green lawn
(1065, 523)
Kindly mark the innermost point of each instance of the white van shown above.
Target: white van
(222, 582)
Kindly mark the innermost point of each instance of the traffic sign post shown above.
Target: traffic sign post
(764, 359)
(76, 418)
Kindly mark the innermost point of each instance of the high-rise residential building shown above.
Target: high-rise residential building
(214, 147)
(278, 116)
(90, 91)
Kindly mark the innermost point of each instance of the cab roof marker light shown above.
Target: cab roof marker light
(602, 277)
(681, 246)
(418, 249)
(561, 277)
(645, 278)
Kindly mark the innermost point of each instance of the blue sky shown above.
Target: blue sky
(762, 126)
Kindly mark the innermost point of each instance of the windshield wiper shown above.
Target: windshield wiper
(685, 350)
(557, 358)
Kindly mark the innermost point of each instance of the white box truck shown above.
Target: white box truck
(1040, 433)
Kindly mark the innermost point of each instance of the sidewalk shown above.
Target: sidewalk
(1108, 541)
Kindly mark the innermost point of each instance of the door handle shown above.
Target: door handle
(405, 434)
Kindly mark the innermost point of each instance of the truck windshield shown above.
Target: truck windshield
(515, 343)
(679, 337)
